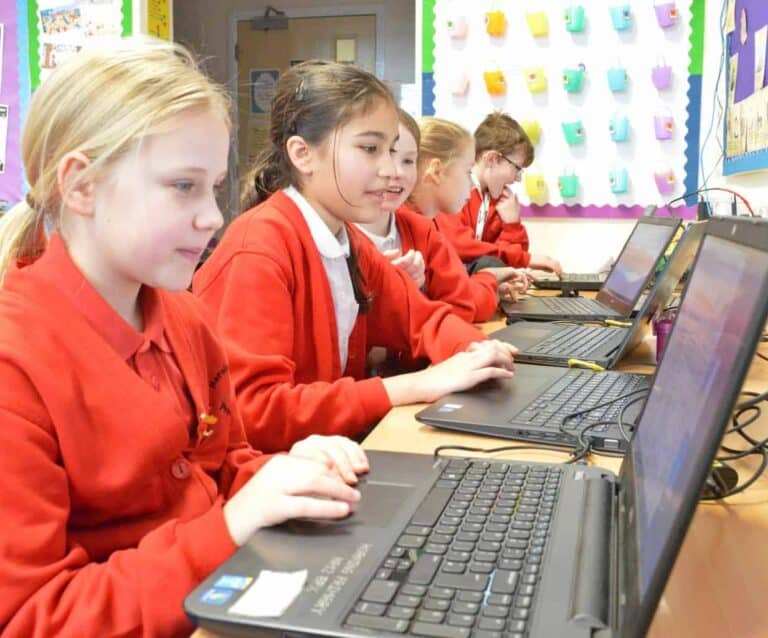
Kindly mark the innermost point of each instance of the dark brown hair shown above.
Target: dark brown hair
(499, 132)
(312, 99)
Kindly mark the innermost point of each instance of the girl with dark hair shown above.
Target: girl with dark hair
(301, 297)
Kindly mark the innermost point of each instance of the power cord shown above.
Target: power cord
(706, 190)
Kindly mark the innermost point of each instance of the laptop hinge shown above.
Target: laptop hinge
(590, 593)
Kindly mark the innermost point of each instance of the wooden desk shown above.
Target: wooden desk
(719, 583)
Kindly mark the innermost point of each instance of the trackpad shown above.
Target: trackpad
(523, 335)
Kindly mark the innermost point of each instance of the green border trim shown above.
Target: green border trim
(127, 17)
(427, 36)
(696, 64)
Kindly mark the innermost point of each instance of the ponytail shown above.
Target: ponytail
(21, 234)
(267, 176)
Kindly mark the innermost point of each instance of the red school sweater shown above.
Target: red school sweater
(508, 242)
(115, 510)
(472, 298)
(267, 286)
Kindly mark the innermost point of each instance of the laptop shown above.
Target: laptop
(616, 299)
(557, 344)
(469, 548)
(570, 281)
(535, 404)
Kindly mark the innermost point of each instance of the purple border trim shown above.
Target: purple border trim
(11, 180)
(601, 212)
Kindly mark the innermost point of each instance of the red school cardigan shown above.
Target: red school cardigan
(266, 284)
(115, 510)
(472, 298)
(508, 242)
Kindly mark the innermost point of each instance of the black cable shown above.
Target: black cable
(620, 419)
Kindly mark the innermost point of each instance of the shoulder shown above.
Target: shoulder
(273, 231)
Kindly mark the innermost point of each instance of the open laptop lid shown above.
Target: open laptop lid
(663, 289)
(635, 265)
(707, 356)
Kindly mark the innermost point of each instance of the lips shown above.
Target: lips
(192, 254)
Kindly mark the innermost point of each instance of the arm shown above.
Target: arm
(51, 585)
(463, 240)
(252, 297)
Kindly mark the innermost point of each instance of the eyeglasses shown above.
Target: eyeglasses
(517, 166)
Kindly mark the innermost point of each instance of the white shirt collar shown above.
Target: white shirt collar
(475, 181)
(389, 241)
(330, 246)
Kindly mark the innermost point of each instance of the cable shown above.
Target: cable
(505, 448)
(706, 190)
(717, 91)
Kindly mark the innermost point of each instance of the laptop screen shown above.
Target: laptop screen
(634, 266)
(693, 383)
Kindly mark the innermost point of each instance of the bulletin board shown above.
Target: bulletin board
(623, 135)
(36, 36)
(746, 119)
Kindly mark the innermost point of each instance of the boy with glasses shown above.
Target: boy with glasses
(488, 231)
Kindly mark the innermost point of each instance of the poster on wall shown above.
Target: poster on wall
(3, 135)
(601, 88)
(746, 104)
(63, 28)
(159, 18)
(263, 86)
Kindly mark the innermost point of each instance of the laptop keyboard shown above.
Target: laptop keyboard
(587, 276)
(468, 563)
(578, 390)
(574, 341)
(572, 306)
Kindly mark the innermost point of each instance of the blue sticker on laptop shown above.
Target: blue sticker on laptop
(230, 581)
(216, 596)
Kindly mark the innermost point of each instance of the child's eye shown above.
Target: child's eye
(184, 187)
(408, 162)
(370, 149)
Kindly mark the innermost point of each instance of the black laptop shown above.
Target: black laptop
(616, 299)
(558, 344)
(571, 281)
(534, 404)
(467, 548)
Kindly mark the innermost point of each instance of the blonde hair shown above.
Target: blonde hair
(442, 139)
(100, 103)
(503, 134)
(313, 99)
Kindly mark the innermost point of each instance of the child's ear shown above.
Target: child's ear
(301, 154)
(489, 158)
(434, 171)
(76, 192)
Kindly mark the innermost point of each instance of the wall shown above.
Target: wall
(204, 26)
(585, 244)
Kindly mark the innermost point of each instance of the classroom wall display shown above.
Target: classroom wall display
(745, 128)
(59, 28)
(12, 19)
(613, 87)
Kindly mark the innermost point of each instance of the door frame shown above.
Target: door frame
(298, 12)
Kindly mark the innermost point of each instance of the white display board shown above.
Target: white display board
(598, 47)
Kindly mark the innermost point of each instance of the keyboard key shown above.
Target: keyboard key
(407, 601)
(494, 624)
(380, 591)
(424, 569)
(470, 596)
(438, 631)
(413, 590)
(465, 608)
(378, 623)
(504, 582)
(460, 620)
(427, 615)
(406, 613)
(436, 604)
(471, 582)
(372, 609)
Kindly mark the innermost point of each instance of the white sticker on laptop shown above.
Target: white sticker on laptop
(271, 594)
(450, 407)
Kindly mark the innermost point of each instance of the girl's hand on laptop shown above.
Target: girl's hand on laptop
(339, 453)
(412, 264)
(518, 277)
(481, 361)
(288, 487)
(507, 292)
(542, 262)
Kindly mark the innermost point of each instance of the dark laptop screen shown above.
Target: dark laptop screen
(690, 389)
(639, 257)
